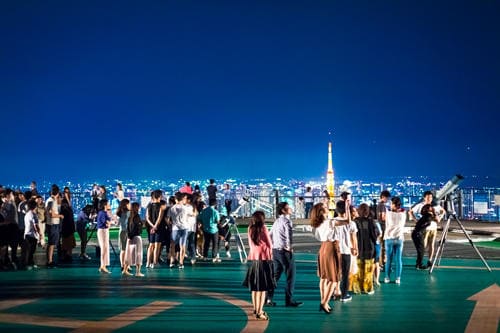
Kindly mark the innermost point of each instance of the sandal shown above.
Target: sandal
(262, 316)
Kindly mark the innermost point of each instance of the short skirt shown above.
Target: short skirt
(260, 276)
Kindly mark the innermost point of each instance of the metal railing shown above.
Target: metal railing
(476, 204)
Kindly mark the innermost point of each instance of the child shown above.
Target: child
(225, 234)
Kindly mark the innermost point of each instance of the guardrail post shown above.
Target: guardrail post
(276, 202)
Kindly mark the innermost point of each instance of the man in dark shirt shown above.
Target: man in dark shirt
(212, 190)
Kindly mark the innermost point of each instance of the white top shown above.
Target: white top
(344, 235)
(394, 225)
(438, 210)
(418, 208)
(30, 220)
(308, 197)
(191, 218)
(179, 216)
(379, 228)
(54, 209)
(326, 232)
(228, 194)
(120, 195)
(432, 227)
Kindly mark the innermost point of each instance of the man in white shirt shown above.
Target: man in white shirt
(431, 230)
(348, 244)
(308, 201)
(178, 217)
(53, 223)
(31, 234)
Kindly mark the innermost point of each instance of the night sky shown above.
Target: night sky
(202, 89)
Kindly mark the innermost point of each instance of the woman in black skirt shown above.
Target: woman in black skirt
(259, 278)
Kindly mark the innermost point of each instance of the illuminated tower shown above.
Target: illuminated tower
(330, 182)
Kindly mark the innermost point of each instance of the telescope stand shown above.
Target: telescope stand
(439, 252)
(233, 229)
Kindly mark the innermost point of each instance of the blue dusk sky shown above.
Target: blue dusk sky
(202, 89)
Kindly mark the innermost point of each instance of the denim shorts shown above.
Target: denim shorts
(53, 232)
(154, 237)
(179, 236)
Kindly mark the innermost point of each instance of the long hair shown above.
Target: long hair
(256, 226)
(427, 210)
(102, 204)
(134, 211)
(66, 207)
(122, 208)
(317, 215)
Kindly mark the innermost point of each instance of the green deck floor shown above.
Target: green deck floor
(209, 297)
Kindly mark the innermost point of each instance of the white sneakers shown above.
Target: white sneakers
(397, 281)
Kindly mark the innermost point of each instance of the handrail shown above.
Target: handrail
(476, 203)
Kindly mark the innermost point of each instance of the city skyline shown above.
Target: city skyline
(249, 90)
(262, 194)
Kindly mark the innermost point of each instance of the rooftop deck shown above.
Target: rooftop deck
(460, 295)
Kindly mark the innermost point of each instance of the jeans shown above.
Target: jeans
(394, 252)
(418, 240)
(284, 261)
(210, 238)
(309, 206)
(191, 244)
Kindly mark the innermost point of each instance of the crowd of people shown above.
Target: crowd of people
(182, 225)
(357, 243)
